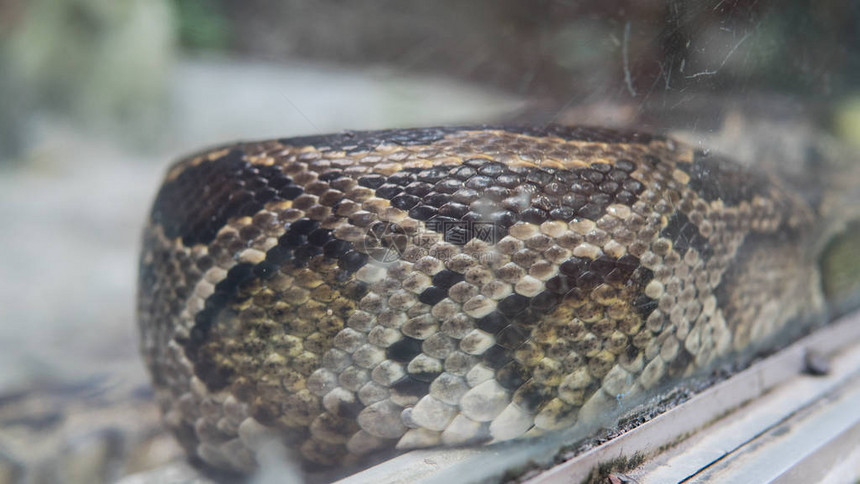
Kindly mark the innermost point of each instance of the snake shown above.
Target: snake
(378, 291)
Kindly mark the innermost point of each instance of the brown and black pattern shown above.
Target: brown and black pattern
(353, 293)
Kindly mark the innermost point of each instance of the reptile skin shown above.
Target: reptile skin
(370, 291)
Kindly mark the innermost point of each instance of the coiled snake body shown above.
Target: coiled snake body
(400, 289)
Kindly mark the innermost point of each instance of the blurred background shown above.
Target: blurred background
(98, 96)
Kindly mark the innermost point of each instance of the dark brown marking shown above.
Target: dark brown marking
(714, 177)
(685, 235)
(202, 198)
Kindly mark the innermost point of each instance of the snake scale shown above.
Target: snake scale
(369, 291)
